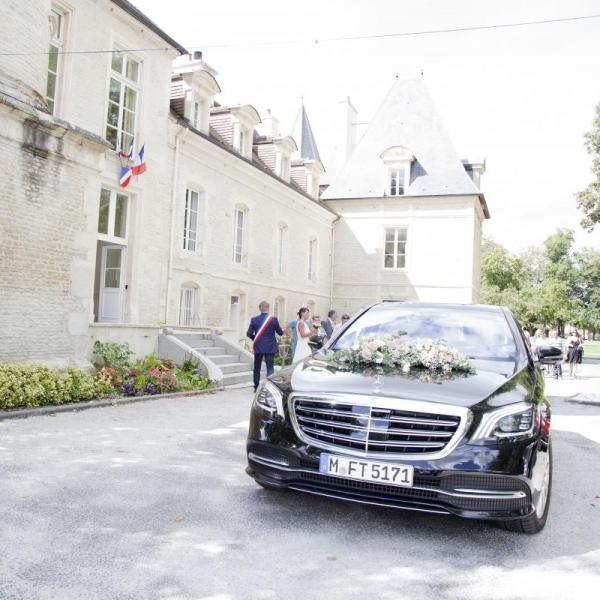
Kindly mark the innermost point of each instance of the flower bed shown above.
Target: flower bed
(35, 385)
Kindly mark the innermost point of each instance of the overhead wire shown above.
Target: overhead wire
(325, 39)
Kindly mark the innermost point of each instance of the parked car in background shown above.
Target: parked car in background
(475, 445)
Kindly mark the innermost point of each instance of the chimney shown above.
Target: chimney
(349, 115)
(269, 125)
(197, 55)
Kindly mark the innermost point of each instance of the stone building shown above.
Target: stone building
(229, 210)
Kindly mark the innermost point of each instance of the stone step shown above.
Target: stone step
(239, 377)
(223, 359)
(197, 344)
(233, 367)
(209, 351)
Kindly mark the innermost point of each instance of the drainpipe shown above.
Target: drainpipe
(172, 233)
(332, 253)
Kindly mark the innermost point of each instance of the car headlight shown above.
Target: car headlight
(269, 398)
(515, 420)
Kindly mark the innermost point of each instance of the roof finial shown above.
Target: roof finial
(396, 75)
(422, 73)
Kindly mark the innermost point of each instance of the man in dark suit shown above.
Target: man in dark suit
(262, 332)
(329, 323)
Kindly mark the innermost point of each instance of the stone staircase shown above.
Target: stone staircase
(234, 363)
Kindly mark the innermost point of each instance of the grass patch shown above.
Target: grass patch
(591, 349)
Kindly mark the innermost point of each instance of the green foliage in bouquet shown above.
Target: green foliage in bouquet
(397, 353)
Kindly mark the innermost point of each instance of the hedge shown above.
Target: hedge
(35, 385)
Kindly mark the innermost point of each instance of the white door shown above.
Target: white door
(111, 283)
(234, 312)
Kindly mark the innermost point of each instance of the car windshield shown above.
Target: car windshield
(479, 334)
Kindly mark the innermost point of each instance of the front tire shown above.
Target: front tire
(536, 521)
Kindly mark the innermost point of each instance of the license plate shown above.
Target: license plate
(366, 470)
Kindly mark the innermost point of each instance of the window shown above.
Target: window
(395, 248)
(279, 309)
(57, 32)
(196, 115)
(312, 260)
(187, 305)
(397, 181)
(122, 101)
(241, 141)
(191, 220)
(112, 215)
(285, 167)
(239, 236)
(234, 311)
(282, 240)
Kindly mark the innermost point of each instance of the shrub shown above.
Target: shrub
(153, 375)
(114, 356)
(35, 385)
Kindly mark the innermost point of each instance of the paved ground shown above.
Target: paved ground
(150, 501)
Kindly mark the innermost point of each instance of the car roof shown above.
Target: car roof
(442, 305)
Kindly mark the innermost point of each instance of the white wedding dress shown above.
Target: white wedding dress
(302, 348)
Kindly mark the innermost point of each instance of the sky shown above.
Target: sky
(521, 98)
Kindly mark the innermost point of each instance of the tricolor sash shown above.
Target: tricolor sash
(261, 330)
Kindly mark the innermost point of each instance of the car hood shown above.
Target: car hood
(494, 382)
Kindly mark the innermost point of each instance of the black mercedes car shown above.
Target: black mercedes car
(475, 444)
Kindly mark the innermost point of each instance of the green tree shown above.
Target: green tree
(588, 200)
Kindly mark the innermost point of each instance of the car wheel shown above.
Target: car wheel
(535, 522)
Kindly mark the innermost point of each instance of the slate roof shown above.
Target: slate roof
(407, 117)
(308, 145)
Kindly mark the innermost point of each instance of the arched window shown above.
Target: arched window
(188, 305)
(279, 310)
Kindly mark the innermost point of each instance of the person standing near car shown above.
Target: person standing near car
(329, 323)
(557, 342)
(574, 351)
(304, 330)
(262, 332)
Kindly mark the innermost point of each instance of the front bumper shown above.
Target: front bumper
(474, 491)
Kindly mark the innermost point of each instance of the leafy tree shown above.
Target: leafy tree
(588, 200)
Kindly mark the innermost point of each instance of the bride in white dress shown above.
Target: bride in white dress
(303, 329)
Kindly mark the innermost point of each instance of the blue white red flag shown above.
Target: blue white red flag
(130, 153)
(139, 166)
(125, 176)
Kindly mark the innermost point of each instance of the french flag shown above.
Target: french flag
(130, 153)
(139, 166)
(125, 176)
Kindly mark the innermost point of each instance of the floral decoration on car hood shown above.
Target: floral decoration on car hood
(398, 353)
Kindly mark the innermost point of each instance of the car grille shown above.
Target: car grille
(373, 430)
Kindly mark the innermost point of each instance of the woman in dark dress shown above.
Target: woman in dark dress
(574, 351)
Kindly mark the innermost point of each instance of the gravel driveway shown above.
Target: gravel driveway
(150, 501)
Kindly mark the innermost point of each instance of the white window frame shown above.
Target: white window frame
(124, 82)
(403, 170)
(396, 255)
(240, 238)
(283, 232)
(112, 210)
(196, 108)
(188, 305)
(191, 237)
(313, 249)
(57, 42)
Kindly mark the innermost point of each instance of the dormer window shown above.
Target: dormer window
(196, 115)
(397, 181)
(397, 162)
(241, 141)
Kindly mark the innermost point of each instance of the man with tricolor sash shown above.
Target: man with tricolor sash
(262, 332)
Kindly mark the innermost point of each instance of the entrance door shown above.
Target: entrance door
(111, 284)
(234, 312)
